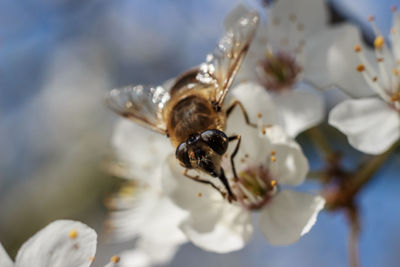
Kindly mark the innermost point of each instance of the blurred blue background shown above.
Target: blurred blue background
(58, 58)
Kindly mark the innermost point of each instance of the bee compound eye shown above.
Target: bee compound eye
(216, 140)
(192, 139)
(182, 155)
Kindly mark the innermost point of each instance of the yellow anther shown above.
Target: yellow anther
(379, 42)
(259, 115)
(379, 59)
(395, 72)
(273, 158)
(357, 48)
(73, 234)
(360, 68)
(91, 259)
(127, 190)
(199, 194)
(273, 152)
(273, 183)
(395, 97)
(375, 79)
(264, 131)
(115, 259)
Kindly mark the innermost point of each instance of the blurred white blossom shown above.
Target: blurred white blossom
(287, 56)
(141, 210)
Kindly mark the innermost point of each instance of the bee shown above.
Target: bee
(191, 112)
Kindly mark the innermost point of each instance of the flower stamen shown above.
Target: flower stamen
(255, 187)
(73, 234)
(115, 259)
(379, 42)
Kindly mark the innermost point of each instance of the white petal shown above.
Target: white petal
(140, 148)
(327, 51)
(370, 124)
(282, 9)
(158, 253)
(290, 166)
(210, 217)
(132, 258)
(185, 192)
(53, 246)
(299, 110)
(150, 215)
(331, 60)
(147, 255)
(113, 264)
(255, 99)
(277, 135)
(289, 216)
(230, 232)
(252, 145)
(162, 226)
(199, 200)
(5, 260)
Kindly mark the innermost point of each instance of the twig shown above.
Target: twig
(366, 172)
(353, 249)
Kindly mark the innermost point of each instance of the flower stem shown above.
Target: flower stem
(366, 172)
(319, 140)
(354, 255)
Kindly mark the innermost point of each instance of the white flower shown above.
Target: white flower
(141, 210)
(264, 164)
(372, 124)
(62, 243)
(295, 111)
(288, 55)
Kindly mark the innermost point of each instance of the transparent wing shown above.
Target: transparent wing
(222, 65)
(142, 104)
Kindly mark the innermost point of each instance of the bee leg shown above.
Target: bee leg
(222, 178)
(244, 112)
(197, 179)
(232, 138)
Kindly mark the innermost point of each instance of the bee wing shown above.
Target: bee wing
(142, 104)
(222, 65)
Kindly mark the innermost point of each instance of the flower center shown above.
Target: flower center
(278, 71)
(255, 187)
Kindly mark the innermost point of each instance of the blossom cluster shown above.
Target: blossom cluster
(166, 202)
(291, 59)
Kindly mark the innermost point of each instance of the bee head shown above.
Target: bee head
(203, 151)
